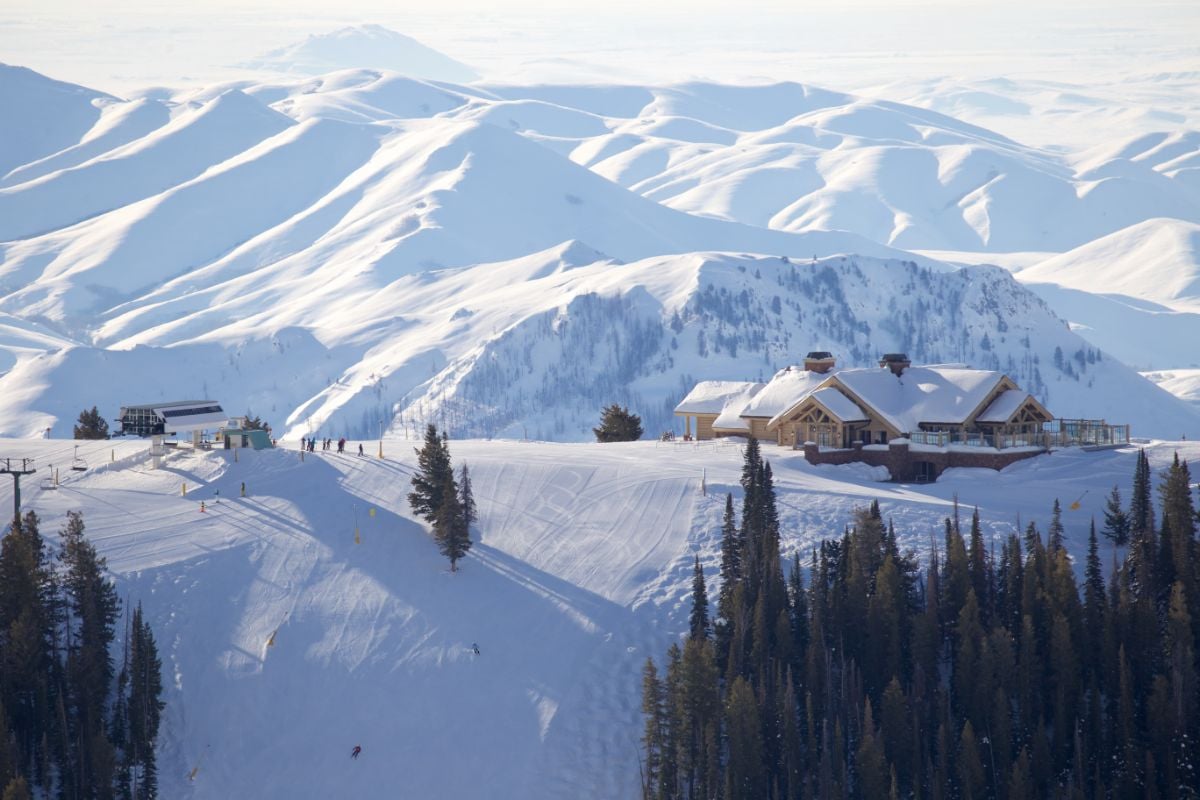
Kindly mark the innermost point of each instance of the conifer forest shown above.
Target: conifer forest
(80, 682)
(1002, 671)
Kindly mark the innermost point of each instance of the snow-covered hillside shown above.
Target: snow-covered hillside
(363, 248)
(581, 569)
(533, 347)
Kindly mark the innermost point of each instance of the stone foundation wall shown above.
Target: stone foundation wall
(901, 461)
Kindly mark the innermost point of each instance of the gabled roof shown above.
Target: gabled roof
(789, 386)
(713, 397)
(839, 405)
(1008, 404)
(946, 395)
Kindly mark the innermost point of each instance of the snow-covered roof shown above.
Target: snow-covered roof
(1004, 406)
(713, 397)
(181, 417)
(921, 394)
(789, 386)
(730, 418)
(841, 406)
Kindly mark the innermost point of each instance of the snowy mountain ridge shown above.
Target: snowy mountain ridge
(506, 260)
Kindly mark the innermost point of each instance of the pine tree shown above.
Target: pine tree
(430, 481)
(745, 774)
(1142, 555)
(94, 606)
(466, 497)
(870, 764)
(1177, 542)
(617, 424)
(145, 704)
(450, 527)
(731, 574)
(654, 733)
(1116, 521)
(698, 623)
(1094, 606)
(1054, 536)
(91, 425)
(970, 766)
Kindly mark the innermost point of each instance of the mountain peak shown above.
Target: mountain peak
(364, 46)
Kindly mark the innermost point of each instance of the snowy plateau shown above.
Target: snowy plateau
(360, 252)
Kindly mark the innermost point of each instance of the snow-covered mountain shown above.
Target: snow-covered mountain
(1135, 293)
(364, 46)
(335, 251)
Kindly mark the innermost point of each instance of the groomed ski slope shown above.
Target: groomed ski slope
(581, 569)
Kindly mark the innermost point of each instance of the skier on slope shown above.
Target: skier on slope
(357, 749)
(475, 648)
(360, 450)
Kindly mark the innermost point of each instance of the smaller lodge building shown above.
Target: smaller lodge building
(916, 421)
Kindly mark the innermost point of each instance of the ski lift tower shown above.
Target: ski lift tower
(17, 467)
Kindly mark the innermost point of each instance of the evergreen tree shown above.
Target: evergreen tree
(91, 425)
(1054, 536)
(870, 764)
(745, 774)
(1116, 521)
(731, 574)
(617, 424)
(698, 622)
(1177, 542)
(654, 733)
(434, 474)
(255, 423)
(1140, 567)
(450, 528)
(144, 706)
(1094, 606)
(94, 606)
(466, 497)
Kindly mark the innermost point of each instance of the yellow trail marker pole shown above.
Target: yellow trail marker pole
(357, 538)
(114, 454)
(381, 448)
(183, 489)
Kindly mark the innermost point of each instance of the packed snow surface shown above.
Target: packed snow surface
(581, 570)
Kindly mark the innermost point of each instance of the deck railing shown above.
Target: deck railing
(1057, 433)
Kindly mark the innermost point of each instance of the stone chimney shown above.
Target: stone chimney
(819, 361)
(896, 362)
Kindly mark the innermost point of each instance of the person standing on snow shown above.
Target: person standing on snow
(360, 450)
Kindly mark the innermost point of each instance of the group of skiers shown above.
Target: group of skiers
(311, 445)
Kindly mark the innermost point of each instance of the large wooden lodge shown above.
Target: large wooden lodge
(915, 420)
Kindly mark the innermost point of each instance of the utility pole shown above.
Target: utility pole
(17, 468)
